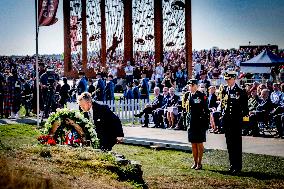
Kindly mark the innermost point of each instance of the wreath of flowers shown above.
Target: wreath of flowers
(59, 117)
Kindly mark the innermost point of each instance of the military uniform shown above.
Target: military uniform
(198, 116)
(234, 106)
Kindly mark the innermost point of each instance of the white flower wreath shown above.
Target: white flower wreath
(78, 118)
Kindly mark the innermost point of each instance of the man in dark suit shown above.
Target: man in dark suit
(262, 112)
(100, 87)
(150, 108)
(234, 106)
(159, 112)
(83, 83)
(212, 98)
(108, 126)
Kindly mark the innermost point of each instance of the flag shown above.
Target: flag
(47, 12)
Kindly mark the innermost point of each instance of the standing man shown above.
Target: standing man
(109, 89)
(129, 73)
(100, 88)
(234, 106)
(108, 126)
(83, 83)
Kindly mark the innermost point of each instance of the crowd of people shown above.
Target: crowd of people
(136, 80)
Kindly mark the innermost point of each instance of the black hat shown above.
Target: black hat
(230, 74)
(192, 82)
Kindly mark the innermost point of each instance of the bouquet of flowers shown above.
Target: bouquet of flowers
(65, 126)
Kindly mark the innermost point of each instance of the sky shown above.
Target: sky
(221, 23)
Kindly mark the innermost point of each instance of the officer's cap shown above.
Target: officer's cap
(230, 74)
(193, 82)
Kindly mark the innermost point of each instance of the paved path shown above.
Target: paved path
(178, 139)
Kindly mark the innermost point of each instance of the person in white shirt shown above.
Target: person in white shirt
(276, 95)
(159, 74)
(129, 73)
(113, 71)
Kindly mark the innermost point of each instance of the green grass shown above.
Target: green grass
(163, 168)
(16, 136)
(20, 149)
(63, 166)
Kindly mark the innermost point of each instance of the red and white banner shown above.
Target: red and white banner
(47, 12)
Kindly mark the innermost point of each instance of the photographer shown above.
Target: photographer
(48, 84)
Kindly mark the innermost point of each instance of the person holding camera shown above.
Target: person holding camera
(47, 85)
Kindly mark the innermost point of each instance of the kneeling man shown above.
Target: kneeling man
(108, 126)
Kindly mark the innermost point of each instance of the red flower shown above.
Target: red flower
(51, 142)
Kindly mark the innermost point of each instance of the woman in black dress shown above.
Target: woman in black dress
(198, 122)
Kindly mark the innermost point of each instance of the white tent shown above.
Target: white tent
(261, 63)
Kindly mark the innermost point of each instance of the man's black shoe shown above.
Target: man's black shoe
(137, 115)
(144, 125)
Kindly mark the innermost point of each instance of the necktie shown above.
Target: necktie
(91, 117)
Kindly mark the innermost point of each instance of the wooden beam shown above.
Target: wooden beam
(128, 33)
(188, 37)
(158, 30)
(103, 33)
(84, 35)
(67, 37)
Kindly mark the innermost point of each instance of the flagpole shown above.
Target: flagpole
(37, 75)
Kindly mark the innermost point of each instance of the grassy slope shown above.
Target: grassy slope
(22, 165)
(25, 164)
(171, 169)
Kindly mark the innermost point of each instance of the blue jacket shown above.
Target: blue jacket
(109, 90)
(136, 92)
(128, 94)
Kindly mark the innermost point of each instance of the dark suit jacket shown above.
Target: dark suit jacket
(173, 101)
(212, 103)
(157, 102)
(108, 126)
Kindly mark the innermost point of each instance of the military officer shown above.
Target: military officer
(198, 122)
(234, 106)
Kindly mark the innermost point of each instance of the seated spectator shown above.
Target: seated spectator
(150, 108)
(276, 95)
(160, 112)
(262, 112)
(253, 103)
(172, 109)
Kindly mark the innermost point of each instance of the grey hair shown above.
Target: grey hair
(157, 88)
(85, 96)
